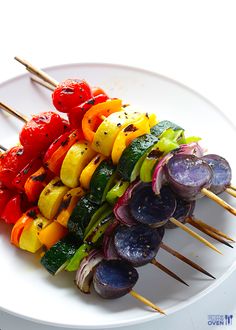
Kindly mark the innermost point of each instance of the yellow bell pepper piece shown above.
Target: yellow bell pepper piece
(51, 198)
(78, 156)
(128, 134)
(29, 240)
(108, 130)
(88, 171)
(68, 204)
(51, 234)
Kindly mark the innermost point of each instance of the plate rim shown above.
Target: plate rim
(181, 305)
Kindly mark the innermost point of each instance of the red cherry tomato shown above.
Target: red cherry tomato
(70, 93)
(97, 91)
(12, 211)
(76, 114)
(11, 162)
(41, 131)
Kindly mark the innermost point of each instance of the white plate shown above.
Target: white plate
(27, 290)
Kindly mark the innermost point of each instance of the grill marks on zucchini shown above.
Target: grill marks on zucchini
(81, 216)
(58, 256)
(101, 181)
(133, 156)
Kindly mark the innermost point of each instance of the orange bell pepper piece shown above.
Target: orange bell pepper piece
(94, 116)
(19, 226)
(55, 161)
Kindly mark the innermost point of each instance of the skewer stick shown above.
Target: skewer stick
(185, 259)
(208, 232)
(214, 230)
(39, 73)
(167, 271)
(13, 112)
(43, 83)
(193, 234)
(219, 201)
(3, 148)
(231, 191)
(146, 301)
(232, 187)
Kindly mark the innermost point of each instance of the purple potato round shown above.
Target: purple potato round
(138, 244)
(148, 208)
(188, 175)
(222, 173)
(114, 278)
(184, 209)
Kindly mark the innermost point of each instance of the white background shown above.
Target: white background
(190, 41)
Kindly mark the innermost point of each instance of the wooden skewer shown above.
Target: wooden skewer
(167, 271)
(43, 83)
(219, 201)
(231, 191)
(232, 187)
(39, 73)
(208, 232)
(214, 230)
(3, 148)
(195, 235)
(13, 112)
(185, 259)
(146, 301)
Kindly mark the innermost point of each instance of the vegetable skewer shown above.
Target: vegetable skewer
(175, 221)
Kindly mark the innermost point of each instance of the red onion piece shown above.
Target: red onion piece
(158, 177)
(84, 275)
(191, 149)
(121, 208)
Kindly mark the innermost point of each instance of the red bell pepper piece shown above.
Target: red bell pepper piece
(26, 172)
(5, 195)
(11, 163)
(12, 211)
(76, 114)
(62, 139)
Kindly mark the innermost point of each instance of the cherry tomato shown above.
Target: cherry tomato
(70, 93)
(41, 131)
(76, 114)
(11, 162)
(97, 91)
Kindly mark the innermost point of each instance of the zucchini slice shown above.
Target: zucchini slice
(57, 257)
(163, 125)
(102, 181)
(133, 156)
(81, 216)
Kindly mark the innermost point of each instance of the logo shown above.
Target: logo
(219, 320)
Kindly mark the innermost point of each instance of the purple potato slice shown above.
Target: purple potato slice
(114, 278)
(183, 210)
(222, 173)
(187, 175)
(151, 209)
(138, 244)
